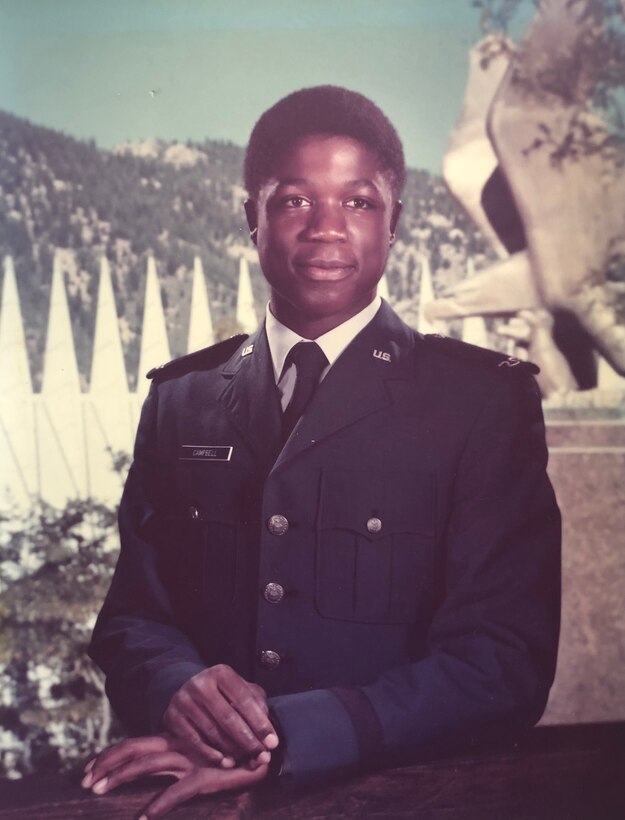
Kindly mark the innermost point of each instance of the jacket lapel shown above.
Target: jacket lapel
(359, 383)
(250, 395)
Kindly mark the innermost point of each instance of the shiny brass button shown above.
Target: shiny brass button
(374, 525)
(277, 525)
(270, 659)
(193, 513)
(273, 593)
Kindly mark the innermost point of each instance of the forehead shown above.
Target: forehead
(329, 157)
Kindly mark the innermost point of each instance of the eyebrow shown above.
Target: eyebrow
(364, 182)
(292, 181)
(368, 183)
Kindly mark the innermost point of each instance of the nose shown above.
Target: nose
(326, 223)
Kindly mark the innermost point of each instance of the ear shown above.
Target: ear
(397, 206)
(251, 213)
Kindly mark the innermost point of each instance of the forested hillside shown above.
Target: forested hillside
(175, 201)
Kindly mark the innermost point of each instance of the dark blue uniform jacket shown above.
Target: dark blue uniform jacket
(408, 521)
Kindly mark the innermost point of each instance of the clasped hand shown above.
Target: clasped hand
(223, 715)
(217, 737)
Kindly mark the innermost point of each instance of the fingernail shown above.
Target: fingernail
(87, 780)
(271, 741)
(263, 758)
(143, 817)
(228, 762)
(100, 786)
(89, 765)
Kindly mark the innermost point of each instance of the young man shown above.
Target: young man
(334, 554)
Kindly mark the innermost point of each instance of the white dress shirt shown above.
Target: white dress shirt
(281, 339)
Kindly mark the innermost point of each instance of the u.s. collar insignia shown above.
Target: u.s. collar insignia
(381, 354)
(247, 350)
(509, 362)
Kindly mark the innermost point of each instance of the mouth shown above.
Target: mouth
(328, 270)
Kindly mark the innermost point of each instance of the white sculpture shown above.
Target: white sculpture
(546, 186)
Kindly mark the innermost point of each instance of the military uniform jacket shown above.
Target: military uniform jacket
(390, 576)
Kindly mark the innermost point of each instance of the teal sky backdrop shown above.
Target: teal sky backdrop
(190, 69)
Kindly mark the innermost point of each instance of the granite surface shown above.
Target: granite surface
(587, 468)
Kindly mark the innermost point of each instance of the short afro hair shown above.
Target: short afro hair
(323, 109)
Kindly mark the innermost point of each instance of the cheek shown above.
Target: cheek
(276, 239)
(374, 244)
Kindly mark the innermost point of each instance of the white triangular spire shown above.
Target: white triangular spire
(426, 295)
(474, 331)
(154, 342)
(60, 369)
(60, 438)
(201, 332)
(108, 371)
(245, 315)
(108, 412)
(14, 368)
(109, 424)
(18, 456)
(473, 327)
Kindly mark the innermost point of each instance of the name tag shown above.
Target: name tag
(205, 452)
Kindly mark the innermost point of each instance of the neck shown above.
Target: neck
(311, 327)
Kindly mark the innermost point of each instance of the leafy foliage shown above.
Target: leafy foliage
(589, 77)
(56, 567)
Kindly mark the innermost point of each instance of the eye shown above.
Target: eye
(295, 202)
(359, 203)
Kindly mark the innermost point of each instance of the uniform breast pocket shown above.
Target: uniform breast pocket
(375, 543)
(202, 546)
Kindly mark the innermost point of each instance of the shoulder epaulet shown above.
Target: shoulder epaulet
(478, 355)
(198, 360)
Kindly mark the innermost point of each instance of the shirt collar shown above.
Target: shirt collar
(281, 338)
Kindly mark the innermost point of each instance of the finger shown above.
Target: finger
(245, 700)
(261, 697)
(171, 797)
(263, 759)
(118, 753)
(217, 691)
(150, 764)
(238, 731)
(250, 700)
(189, 718)
(201, 753)
(211, 745)
(229, 703)
(206, 781)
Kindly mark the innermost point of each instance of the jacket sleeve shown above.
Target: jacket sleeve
(492, 644)
(145, 657)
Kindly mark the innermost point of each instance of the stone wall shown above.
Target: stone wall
(587, 467)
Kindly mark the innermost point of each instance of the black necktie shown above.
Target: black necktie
(310, 361)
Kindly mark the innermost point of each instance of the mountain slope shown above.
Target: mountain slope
(64, 196)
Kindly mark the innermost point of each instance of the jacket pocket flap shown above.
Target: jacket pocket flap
(375, 504)
(216, 508)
